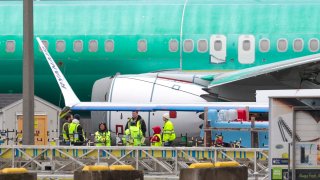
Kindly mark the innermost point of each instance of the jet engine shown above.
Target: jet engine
(146, 88)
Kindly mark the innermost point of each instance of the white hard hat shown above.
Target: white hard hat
(166, 115)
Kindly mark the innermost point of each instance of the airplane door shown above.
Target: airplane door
(246, 49)
(218, 48)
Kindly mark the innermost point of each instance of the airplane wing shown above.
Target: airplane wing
(225, 78)
(74, 103)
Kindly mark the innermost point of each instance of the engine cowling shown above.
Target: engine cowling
(146, 88)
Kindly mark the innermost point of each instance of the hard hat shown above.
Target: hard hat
(166, 115)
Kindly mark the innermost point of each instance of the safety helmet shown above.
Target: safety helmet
(166, 115)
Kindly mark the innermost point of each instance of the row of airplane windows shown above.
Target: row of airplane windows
(188, 45)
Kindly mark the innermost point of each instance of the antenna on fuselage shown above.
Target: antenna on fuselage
(69, 96)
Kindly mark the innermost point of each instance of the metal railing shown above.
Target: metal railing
(153, 160)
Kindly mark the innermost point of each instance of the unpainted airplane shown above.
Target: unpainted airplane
(165, 51)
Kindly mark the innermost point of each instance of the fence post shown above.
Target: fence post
(176, 162)
(98, 158)
(12, 157)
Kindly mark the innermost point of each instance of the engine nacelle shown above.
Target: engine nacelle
(146, 88)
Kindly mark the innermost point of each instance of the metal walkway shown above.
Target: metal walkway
(154, 161)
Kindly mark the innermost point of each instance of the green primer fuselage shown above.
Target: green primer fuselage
(157, 22)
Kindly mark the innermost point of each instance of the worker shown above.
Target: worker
(218, 141)
(133, 135)
(140, 123)
(76, 133)
(65, 129)
(168, 135)
(102, 137)
(156, 138)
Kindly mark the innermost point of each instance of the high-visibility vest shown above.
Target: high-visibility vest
(64, 132)
(138, 123)
(102, 138)
(135, 135)
(168, 132)
(157, 143)
(73, 132)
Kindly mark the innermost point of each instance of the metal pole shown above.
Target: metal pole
(255, 164)
(176, 162)
(294, 145)
(137, 159)
(28, 74)
(13, 151)
(98, 157)
(205, 128)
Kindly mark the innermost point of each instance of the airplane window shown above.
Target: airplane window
(77, 46)
(188, 45)
(60, 46)
(93, 46)
(45, 43)
(173, 45)
(109, 46)
(298, 45)
(246, 45)
(10, 46)
(218, 45)
(142, 45)
(264, 45)
(313, 45)
(282, 45)
(202, 45)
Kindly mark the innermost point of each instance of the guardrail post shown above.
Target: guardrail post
(137, 159)
(215, 154)
(12, 157)
(98, 158)
(176, 162)
(255, 163)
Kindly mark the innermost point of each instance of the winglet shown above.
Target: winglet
(70, 97)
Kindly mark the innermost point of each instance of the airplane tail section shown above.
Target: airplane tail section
(70, 97)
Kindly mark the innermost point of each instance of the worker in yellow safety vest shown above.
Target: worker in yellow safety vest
(65, 129)
(133, 135)
(102, 137)
(156, 138)
(76, 133)
(140, 123)
(168, 135)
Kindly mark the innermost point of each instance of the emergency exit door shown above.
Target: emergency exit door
(40, 129)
